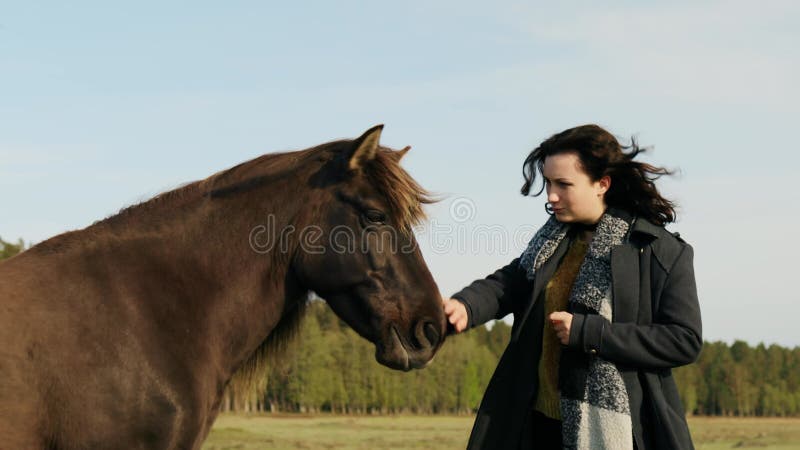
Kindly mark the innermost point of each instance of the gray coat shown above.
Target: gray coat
(656, 327)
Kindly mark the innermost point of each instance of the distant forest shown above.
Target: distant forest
(333, 369)
(329, 368)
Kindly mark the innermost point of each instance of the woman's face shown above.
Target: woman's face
(574, 196)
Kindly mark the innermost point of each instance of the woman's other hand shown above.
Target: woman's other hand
(456, 313)
(561, 321)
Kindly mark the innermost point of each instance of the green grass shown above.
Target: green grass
(713, 433)
(291, 432)
(338, 432)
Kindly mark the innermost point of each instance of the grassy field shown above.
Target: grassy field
(244, 432)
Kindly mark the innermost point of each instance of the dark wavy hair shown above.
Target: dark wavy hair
(632, 182)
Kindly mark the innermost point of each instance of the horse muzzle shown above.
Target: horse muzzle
(410, 350)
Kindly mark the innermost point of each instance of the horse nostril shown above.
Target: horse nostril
(427, 334)
(432, 334)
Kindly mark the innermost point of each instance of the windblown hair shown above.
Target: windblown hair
(632, 182)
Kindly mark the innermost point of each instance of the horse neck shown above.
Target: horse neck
(217, 285)
(255, 284)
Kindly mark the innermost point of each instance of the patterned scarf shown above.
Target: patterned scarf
(594, 402)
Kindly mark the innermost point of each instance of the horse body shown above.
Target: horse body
(125, 334)
(152, 337)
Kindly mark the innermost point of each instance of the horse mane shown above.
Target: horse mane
(404, 195)
(165, 205)
(274, 350)
(161, 206)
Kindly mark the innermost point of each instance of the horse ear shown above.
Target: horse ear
(365, 147)
(401, 153)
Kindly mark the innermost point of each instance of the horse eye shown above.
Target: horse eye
(375, 216)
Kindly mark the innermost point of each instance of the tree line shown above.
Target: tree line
(9, 249)
(330, 368)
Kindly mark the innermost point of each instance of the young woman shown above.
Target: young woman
(604, 303)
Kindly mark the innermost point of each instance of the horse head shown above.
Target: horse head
(369, 268)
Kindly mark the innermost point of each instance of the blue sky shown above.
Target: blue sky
(103, 106)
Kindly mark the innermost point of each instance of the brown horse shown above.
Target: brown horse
(125, 334)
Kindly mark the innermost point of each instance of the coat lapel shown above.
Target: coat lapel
(541, 278)
(624, 272)
(625, 282)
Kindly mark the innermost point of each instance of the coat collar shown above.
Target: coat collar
(640, 224)
(644, 226)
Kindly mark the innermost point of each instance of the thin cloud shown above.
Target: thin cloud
(723, 52)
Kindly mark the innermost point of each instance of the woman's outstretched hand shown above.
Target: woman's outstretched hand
(561, 321)
(456, 313)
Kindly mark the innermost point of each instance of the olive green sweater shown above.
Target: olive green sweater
(556, 299)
